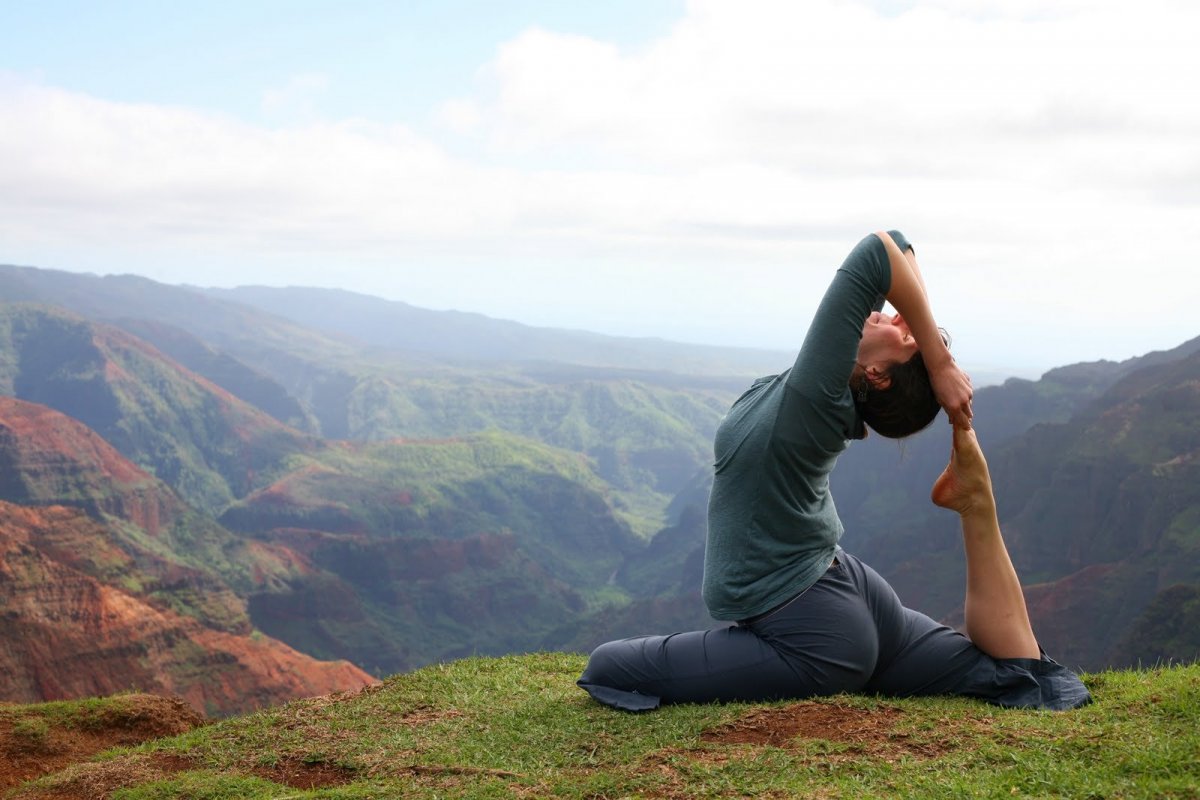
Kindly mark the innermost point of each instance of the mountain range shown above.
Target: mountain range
(236, 478)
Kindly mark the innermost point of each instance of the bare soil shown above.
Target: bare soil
(869, 731)
(306, 775)
(31, 745)
(778, 726)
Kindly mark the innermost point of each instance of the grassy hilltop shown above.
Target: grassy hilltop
(518, 727)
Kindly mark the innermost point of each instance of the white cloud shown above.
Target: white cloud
(1043, 156)
(297, 99)
(69, 158)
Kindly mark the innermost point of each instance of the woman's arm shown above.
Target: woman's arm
(911, 258)
(951, 385)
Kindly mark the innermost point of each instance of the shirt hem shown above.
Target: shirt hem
(777, 598)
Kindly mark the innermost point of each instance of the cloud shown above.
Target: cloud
(148, 169)
(297, 99)
(822, 85)
(1031, 145)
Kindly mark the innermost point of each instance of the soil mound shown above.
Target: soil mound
(40, 739)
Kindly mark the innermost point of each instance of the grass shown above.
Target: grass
(92, 712)
(518, 727)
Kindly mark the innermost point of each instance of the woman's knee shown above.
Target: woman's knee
(601, 663)
(619, 664)
(614, 676)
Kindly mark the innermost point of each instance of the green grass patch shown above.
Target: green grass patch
(518, 726)
(83, 714)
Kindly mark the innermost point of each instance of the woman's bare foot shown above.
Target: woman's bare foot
(965, 486)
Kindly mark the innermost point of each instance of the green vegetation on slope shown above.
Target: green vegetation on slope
(206, 444)
(646, 429)
(436, 549)
(390, 553)
(644, 439)
(518, 726)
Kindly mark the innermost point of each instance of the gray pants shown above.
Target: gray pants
(848, 632)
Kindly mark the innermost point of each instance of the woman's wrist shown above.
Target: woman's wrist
(937, 355)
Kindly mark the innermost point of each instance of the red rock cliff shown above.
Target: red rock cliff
(65, 634)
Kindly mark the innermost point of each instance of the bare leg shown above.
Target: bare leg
(996, 618)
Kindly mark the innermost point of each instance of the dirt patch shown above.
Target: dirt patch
(855, 733)
(300, 774)
(830, 721)
(868, 731)
(97, 781)
(35, 741)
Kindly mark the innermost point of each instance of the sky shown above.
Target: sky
(693, 171)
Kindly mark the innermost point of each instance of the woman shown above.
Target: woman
(810, 618)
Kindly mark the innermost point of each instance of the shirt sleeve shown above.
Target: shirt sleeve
(821, 373)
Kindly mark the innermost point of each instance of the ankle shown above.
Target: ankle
(981, 509)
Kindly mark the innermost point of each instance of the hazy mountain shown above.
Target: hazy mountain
(1118, 486)
(646, 429)
(230, 327)
(478, 339)
(240, 380)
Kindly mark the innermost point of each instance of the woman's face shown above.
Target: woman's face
(886, 340)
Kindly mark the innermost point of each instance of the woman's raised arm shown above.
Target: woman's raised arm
(950, 384)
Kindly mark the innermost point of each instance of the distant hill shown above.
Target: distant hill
(647, 424)
(477, 339)
(244, 382)
(1117, 491)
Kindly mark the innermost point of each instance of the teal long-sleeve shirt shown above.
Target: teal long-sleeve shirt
(772, 523)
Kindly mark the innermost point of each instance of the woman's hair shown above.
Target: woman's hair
(906, 406)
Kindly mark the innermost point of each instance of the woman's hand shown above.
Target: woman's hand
(952, 387)
(965, 486)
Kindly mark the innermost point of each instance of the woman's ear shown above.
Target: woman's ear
(877, 377)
